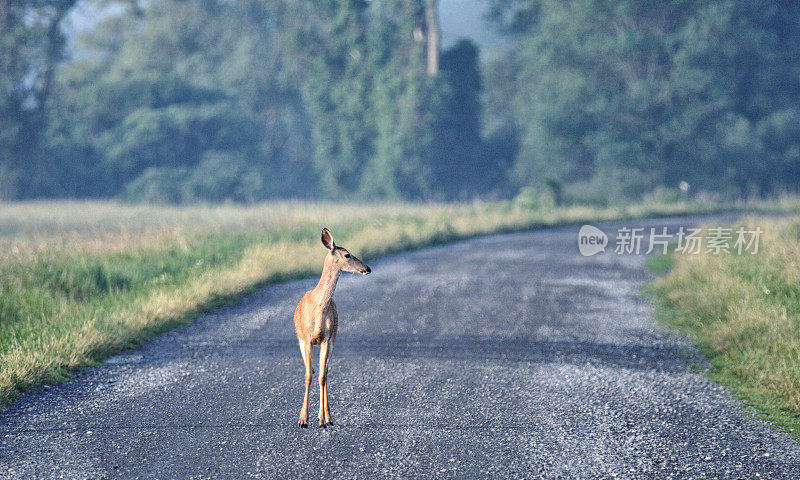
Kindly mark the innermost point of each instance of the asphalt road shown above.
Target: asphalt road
(507, 356)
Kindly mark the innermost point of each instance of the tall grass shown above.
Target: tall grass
(744, 312)
(82, 280)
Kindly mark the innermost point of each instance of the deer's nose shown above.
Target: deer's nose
(369, 270)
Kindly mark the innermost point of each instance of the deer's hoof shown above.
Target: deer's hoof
(302, 425)
(323, 425)
(330, 422)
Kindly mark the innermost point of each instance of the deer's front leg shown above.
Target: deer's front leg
(305, 350)
(324, 416)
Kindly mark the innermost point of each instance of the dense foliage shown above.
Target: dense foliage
(186, 100)
(612, 98)
(594, 100)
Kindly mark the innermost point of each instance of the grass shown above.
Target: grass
(743, 311)
(660, 264)
(80, 281)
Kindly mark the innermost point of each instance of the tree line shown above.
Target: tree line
(613, 100)
(208, 100)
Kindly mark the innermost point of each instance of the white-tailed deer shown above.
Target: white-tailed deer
(316, 320)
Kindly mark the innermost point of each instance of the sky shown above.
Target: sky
(464, 19)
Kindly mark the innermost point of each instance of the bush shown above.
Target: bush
(157, 185)
(530, 199)
(662, 195)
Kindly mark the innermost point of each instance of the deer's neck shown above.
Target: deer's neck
(327, 283)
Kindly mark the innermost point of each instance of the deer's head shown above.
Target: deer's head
(340, 257)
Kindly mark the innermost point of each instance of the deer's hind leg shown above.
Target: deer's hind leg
(305, 350)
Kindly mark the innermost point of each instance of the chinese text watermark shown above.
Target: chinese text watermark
(690, 241)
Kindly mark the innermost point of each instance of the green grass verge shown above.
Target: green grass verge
(659, 264)
(743, 313)
(80, 281)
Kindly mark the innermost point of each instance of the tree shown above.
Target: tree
(189, 86)
(432, 44)
(330, 55)
(31, 45)
(404, 100)
(461, 166)
(362, 75)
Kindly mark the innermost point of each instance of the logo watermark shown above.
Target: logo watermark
(690, 241)
(591, 240)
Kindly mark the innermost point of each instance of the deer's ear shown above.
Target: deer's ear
(327, 239)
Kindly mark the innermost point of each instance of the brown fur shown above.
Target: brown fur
(316, 321)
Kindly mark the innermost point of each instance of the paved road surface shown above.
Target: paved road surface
(507, 356)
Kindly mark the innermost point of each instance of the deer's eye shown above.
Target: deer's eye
(346, 255)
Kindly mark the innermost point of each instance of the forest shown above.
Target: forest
(589, 101)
